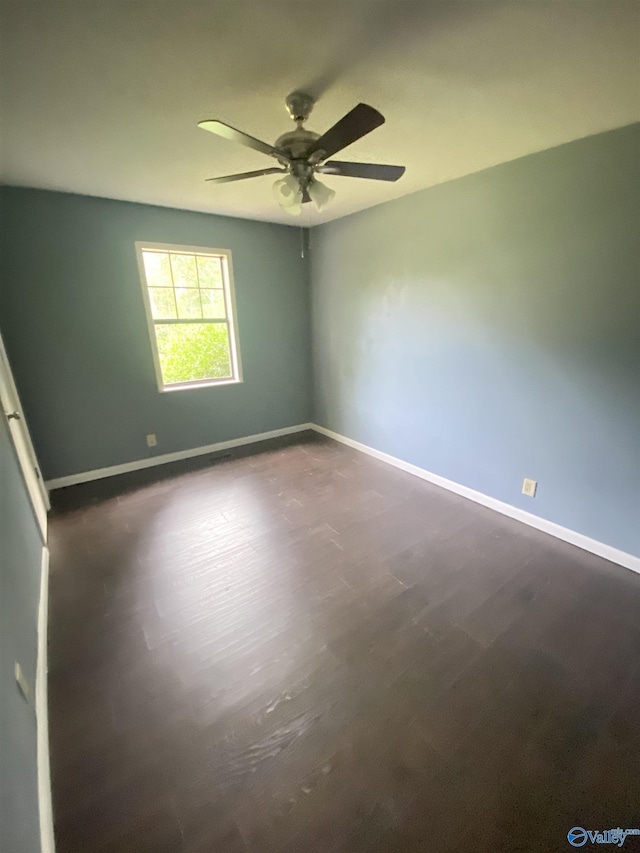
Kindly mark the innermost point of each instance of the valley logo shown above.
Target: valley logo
(578, 836)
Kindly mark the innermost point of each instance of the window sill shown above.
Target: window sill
(204, 383)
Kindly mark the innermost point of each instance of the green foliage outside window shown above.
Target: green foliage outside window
(193, 351)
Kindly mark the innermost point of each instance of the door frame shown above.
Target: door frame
(18, 430)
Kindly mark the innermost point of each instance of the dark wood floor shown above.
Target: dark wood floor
(306, 650)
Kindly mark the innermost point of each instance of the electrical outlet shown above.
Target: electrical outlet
(152, 440)
(23, 684)
(529, 487)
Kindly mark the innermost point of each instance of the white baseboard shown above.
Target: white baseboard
(629, 561)
(47, 841)
(138, 464)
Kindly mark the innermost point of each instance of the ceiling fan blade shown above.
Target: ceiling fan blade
(225, 179)
(354, 125)
(373, 171)
(233, 135)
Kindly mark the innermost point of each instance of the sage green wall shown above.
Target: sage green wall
(488, 329)
(74, 325)
(20, 565)
(485, 329)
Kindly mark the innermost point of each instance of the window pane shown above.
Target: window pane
(213, 303)
(163, 306)
(157, 269)
(210, 271)
(184, 270)
(188, 300)
(190, 351)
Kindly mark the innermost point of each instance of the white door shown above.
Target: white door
(12, 412)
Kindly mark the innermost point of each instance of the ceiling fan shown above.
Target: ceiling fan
(303, 154)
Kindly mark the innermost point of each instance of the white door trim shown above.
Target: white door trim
(13, 416)
(47, 841)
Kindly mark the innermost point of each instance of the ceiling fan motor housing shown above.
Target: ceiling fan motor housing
(296, 143)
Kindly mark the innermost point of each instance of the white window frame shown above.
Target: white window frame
(230, 306)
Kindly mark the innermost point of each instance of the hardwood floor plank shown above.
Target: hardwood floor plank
(297, 648)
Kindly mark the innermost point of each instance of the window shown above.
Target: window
(189, 299)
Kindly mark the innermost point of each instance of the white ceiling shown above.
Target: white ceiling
(102, 97)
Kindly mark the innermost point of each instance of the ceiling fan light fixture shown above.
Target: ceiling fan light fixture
(320, 193)
(288, 194)
(294, 209)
